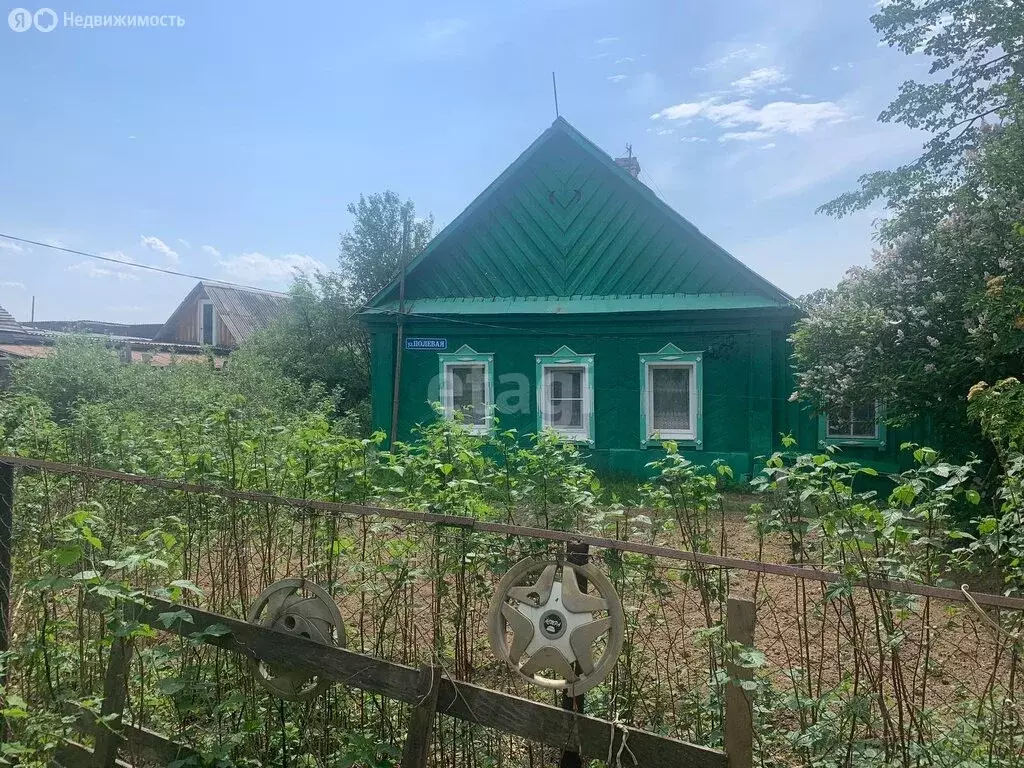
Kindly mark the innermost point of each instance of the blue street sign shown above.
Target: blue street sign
(433, 344)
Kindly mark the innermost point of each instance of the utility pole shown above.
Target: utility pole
(400, 340)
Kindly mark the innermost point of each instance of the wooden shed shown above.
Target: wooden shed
(219, 315)
(568, 296)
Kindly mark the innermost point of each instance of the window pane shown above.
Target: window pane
(839, 422)
(207, 324)
(863, 420)
(468, 383)
(563, 398)
(670, 388)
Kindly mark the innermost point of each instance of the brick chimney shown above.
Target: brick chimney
(629, 163)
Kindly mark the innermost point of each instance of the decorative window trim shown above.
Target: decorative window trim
(466, 355)
(566, 358)
(878, 441)
(670, 356)
(213, 313)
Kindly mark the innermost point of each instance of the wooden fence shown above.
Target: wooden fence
(427, 690)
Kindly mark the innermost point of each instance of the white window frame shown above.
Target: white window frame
(467, 357)
(671, 434)
(213, 313)
(671, 356)
(583, 432)
(878, 439)
(565, 358)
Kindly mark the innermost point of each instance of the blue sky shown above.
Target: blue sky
(229, 147)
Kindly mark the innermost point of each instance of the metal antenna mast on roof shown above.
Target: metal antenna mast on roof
(554, 88)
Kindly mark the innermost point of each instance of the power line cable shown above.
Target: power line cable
(149, 267)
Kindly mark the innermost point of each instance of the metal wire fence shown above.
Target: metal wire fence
(874, 674)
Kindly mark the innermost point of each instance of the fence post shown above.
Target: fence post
(6, 544)
(576, 553)
(115, 694)
(739, 720)
(421, 721)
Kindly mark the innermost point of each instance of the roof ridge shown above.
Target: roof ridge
(240, 289)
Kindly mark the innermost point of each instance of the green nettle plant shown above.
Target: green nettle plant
(844, 673)
(885, 707)
(999, 410)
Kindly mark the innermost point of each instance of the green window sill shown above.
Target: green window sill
(853, 442)
(655, 442)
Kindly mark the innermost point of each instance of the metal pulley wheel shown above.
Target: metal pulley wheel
(304, 609)
(538, 624)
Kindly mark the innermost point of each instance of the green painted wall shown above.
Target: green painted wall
(740, 394)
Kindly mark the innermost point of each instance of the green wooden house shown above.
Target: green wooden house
(568, 296)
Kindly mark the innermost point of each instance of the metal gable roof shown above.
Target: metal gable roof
(565, 221)
(242, 310)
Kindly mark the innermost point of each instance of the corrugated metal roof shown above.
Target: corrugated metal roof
(8, 323)
(243, 310)
(156, 359)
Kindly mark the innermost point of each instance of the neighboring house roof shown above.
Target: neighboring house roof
(120, 330)
(12, 331)
(565, 229)
(157, 359)
(242, 310)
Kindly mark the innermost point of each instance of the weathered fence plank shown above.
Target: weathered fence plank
(154, 748)
(421, 720)
(6, 538)
(115, 695)
(739, 724)
(520, 717)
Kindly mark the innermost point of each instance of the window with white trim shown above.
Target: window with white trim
(671, 383)
(671, 401)
(855, 422)
(565, 395)
(467, 389)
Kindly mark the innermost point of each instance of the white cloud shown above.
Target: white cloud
(845, 153)
(762, 77)
(769, 145)
(185, 242)
(775, 117)
(744, 136)
(624, 60)
(686, 111)
(94, 270)
(256, 267)
(693, 139)
(158, 245)
(745, 53)
(12, 284)
(606, 40)
(211, 251)
(616, 78)
(10, 245)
